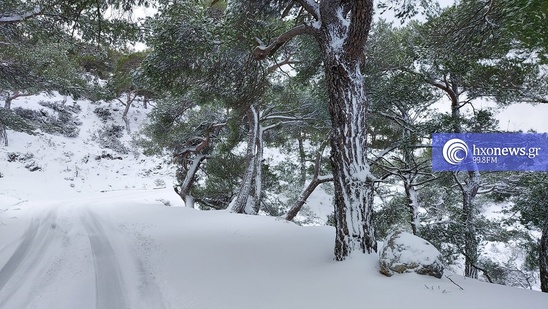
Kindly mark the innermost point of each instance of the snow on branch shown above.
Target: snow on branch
(16, 18)
(261, 52)
(311, 7)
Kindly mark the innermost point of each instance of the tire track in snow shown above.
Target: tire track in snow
(109, 287)
(27, 257)
(129, 287)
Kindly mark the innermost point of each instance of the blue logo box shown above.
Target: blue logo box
(490, 152)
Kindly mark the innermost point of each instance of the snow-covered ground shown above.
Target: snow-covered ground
(86, 233)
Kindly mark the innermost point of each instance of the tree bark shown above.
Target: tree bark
(128, 103)
(471, 242)
(302, 159)
(292, 213)
(543, 259)
(4, 135)
(184, 190)
(469, 190)
(7, 105)
(412, 204)
(258, 176)
(239, 203)
(342, 44)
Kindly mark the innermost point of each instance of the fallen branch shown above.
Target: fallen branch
(454, 282)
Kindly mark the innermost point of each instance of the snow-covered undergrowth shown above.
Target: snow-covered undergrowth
(89, 228)
(100, 158)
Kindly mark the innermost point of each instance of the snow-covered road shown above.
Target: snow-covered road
(71, 256)
(126, 249)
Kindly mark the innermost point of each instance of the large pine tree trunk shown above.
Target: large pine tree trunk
(344, 34)
(352, 178)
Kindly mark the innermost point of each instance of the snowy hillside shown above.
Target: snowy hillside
(67, 166)
(89, 228)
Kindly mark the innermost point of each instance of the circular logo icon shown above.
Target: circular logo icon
(455, 151)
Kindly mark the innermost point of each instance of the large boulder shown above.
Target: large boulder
(403, 252)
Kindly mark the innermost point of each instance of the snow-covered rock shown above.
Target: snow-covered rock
(404, 252)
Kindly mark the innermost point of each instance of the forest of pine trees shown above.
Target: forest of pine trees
(353, 97)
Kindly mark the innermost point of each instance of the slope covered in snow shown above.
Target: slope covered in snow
(86, 230)
(127, 250)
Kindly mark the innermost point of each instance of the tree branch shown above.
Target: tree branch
(261, 52)
(360, 24)
(17, 18)
(311, 7)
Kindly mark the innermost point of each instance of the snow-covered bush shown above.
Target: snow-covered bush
(57, 119)
(109, 137)
(103, 114)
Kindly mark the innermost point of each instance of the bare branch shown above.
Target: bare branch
(278, 65)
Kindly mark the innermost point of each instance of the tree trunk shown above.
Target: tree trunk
(184, 190)
(316, 180)
(292, 213)
(469, 192)
(342, 43)
(258, 176)
(352, 178)
(543, 259)
(4, 135)
(240, 202)
(126, 110)
(302, 159)
(412, 204)
(341, 30)
(3, 128)
(471, 242)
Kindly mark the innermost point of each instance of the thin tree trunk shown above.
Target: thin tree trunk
(316, 180)
(412, 204)
(4, 135)
(4, 129)
(258, 168)
(469, 192)
(126, 111)
(302, 159)
(471, 242)
(184, 190)
(292, 213)
(543, 259)
(239, 203)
